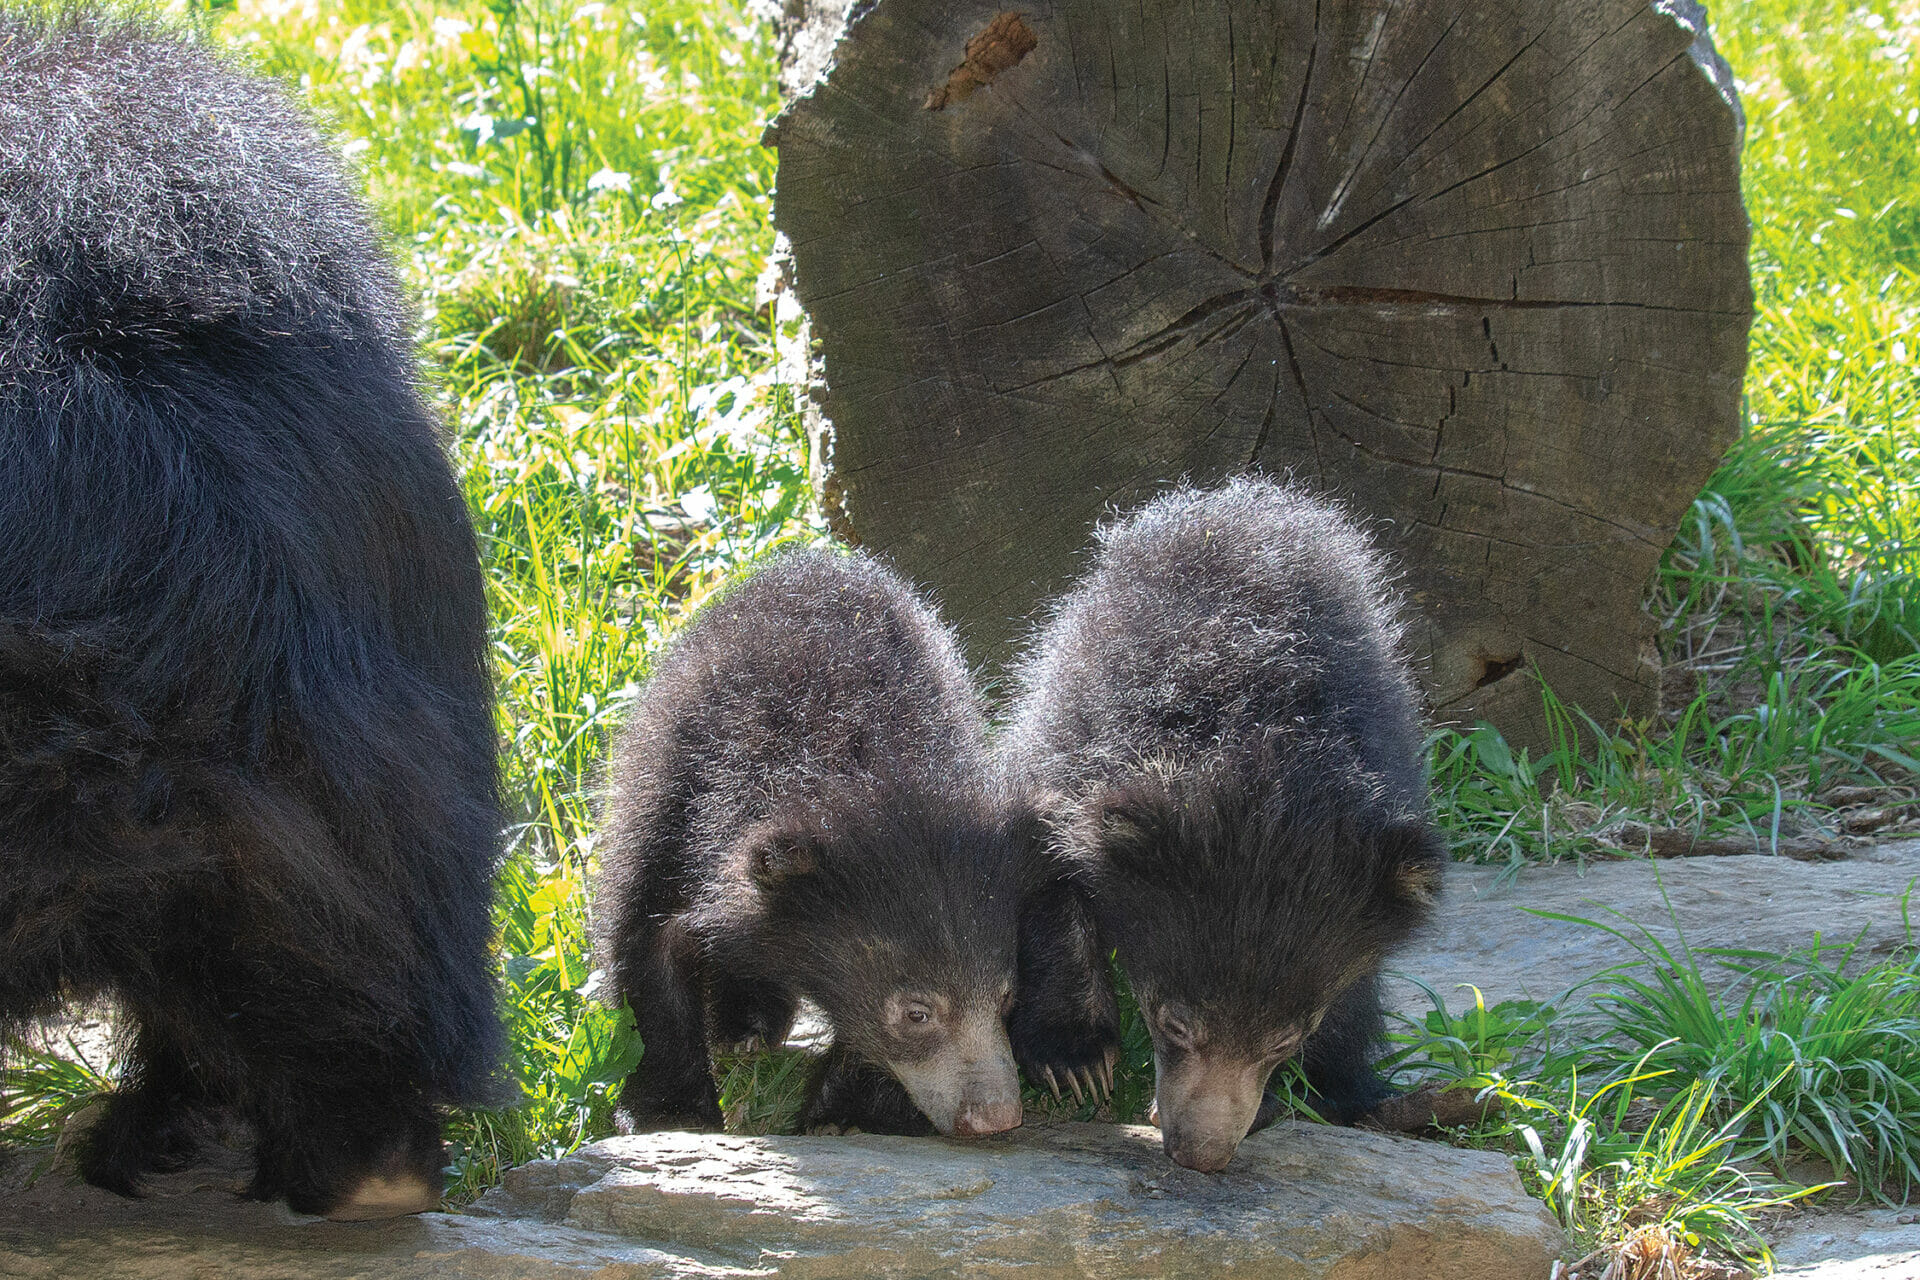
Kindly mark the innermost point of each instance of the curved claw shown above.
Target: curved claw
(1073, 1083)
(1052, 1083)
(1093, 1088)
(1106, 1069)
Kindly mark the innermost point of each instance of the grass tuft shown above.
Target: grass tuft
(1638, 1197)
(43, 1086)
(1807, 1054)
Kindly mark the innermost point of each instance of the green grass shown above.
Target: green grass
(46, 1085)
(1817, 1054)
(1656, 1109)
(1636, 1161)
(1665, 1188)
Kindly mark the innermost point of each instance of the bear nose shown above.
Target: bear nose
(1205, 1154)
(981, 1118)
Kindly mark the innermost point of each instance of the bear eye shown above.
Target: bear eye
(919, 1013)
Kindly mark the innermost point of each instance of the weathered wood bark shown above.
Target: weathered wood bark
(1480, 267)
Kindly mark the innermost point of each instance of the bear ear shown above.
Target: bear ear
(1033, 818)
(1133, 822)
(779, 854)
(1037, 826)
(1415, 856)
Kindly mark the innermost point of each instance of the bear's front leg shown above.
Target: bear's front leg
(750, 1014)
(849, 1093)
(672, 1087)
(1065, 1024)
(1338, 1058)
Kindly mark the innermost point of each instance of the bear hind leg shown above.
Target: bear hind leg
(347, 1154)
(324, 987)
(147, 1124)
(344, 1124)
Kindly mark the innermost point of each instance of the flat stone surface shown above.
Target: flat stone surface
(1065, 1200)
(1849, 1244)
(1483, 934)
(1072, 1200)
(196, 1227)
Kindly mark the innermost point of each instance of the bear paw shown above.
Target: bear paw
(1088, 1076)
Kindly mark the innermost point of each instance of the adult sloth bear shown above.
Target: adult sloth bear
(247, 773)
(1222, 710)
(801, 806)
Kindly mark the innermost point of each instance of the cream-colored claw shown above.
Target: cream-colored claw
(1052, 1083)
(1073, 1083)
(1106, 1071)
(1086, 1078)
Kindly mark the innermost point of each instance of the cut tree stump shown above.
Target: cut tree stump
(1479, 268)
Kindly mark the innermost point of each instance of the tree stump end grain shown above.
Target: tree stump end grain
(1481, 270)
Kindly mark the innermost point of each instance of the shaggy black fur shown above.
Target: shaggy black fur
(247, 772)
(1222, 708)
(800, 806)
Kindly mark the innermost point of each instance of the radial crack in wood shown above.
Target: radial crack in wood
(1481, 268)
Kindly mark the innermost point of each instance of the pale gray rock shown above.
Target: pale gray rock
(1848, 1244)
(1484, 933)
(1067, 1200)
(1072, 1200)
(196, 1227)
(84, 1034)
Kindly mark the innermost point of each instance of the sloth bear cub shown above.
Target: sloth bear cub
(801, 805)
(1222, 712)
(247, 778)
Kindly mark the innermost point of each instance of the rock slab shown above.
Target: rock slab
(1071, 1200)
(1848, 1243)
(1484, 932)
(1068, 1200)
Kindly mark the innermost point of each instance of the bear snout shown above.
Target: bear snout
(1207, 1153)
(1204, 1106)
(969, 1087)
(977, 1119)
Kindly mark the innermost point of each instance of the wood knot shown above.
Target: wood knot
(1000, 45)
(1495, 667)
